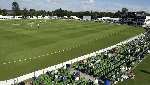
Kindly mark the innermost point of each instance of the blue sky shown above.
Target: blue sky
(80, 5)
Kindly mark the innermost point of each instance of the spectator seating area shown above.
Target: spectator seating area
(62, 76)
(115, 64)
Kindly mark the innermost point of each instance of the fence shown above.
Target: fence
(43, 71)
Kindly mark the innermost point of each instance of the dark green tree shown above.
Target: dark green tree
(0, 12)
(32, 12)
(24, 13)
(59, 12)
(4, 12)
(15, 8)
(49, 13)
(43, 13)
(124, 10)
(117, 14)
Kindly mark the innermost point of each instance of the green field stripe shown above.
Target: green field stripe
(24, 49)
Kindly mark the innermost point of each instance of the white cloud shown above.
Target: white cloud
(91, 1)
(88, 1)
(88, 5)
(55, 1)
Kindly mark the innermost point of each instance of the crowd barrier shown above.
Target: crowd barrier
(55, 67)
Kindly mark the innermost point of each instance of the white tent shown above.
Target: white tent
(75, 17)
(46, 17)
(108, 18)
(66, 17)
(5, 17)
(34, 17)
(147, 22)
(53, 17)
(18, 17)
(87, 18)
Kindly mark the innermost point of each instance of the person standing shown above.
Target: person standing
(38, 25)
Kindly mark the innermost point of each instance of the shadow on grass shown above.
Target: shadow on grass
(144, 71)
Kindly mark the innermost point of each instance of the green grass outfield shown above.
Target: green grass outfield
(24, 48)
(142, 74)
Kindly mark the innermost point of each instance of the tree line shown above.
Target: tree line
(16, 11)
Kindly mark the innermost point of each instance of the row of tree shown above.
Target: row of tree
(58, 12)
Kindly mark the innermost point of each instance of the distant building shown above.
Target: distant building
(10, 12)
(87, 18)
